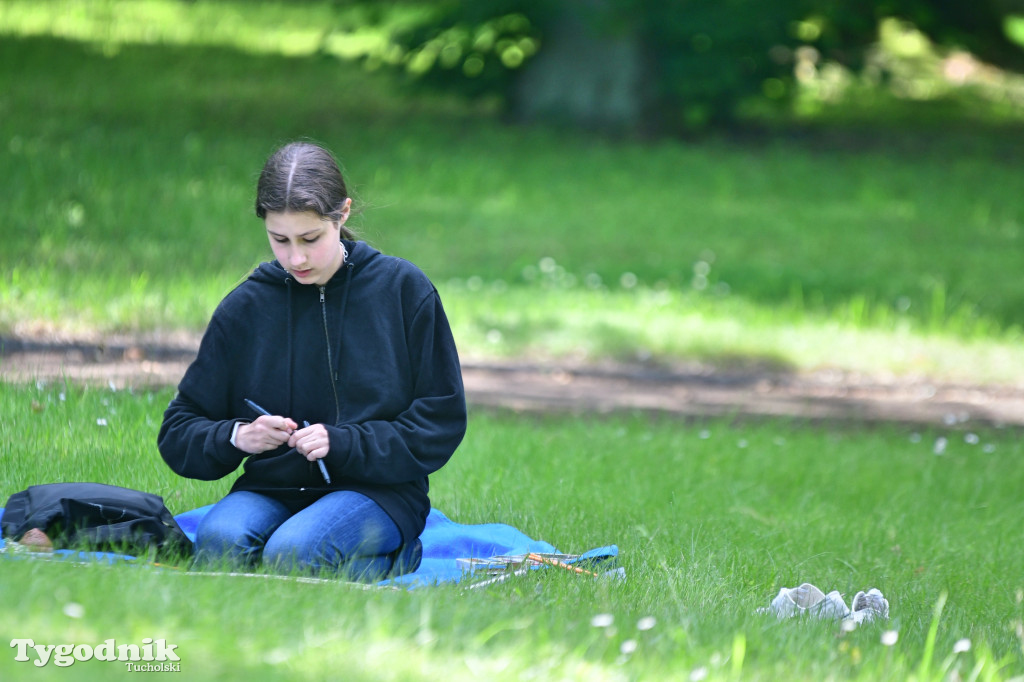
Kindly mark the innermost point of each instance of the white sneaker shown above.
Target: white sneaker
(807, 600)
(867, 606)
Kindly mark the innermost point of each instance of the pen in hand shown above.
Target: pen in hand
(259, 410)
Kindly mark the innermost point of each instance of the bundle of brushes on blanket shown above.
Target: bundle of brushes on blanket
(503, 567)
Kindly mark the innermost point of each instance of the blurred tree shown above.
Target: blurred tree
(979, 27)
(668, 65)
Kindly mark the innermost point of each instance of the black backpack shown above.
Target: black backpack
(95, 516)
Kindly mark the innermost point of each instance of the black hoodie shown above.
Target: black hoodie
(370, 355)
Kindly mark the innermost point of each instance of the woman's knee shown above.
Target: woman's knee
(238, 526)
(339, 530)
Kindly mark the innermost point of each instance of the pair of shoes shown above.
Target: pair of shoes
(867, 606)
(807, 600)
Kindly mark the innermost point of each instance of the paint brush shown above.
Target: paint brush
(256, 408)
(540, 559)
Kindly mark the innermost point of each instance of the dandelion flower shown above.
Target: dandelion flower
(889, 637)
(646, 623)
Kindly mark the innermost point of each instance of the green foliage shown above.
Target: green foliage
(702, 58)
(473, 48)
(711, 56)
(706, 60)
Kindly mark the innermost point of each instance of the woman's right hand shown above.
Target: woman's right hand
(267, 432)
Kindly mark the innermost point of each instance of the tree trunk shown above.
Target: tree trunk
(585, 75)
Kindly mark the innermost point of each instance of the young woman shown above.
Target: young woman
(332, 373)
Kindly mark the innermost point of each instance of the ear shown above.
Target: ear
(346, 209)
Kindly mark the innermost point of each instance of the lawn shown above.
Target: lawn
(711, 518)
(128, 166)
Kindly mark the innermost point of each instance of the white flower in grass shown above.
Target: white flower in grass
(698, 674)
(425, 637)
(889, 637)
(961, 646)
(628, 647)
(646, 623)
(602, 620)
(940, 445)
(101, 421)
(971, 439)
(704, 434)
(74, 610)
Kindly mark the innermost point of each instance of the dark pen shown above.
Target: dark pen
(320, 461)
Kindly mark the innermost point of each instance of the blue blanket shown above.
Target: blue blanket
(444, 541)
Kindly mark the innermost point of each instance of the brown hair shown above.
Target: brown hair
(302, 176)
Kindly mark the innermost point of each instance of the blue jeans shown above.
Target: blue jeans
(343, 532)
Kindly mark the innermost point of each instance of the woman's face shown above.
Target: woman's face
(307, 245)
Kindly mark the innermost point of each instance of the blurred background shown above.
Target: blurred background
(785, 183)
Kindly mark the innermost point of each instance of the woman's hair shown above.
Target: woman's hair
(302, 176)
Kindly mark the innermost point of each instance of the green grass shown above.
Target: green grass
(128, 172)
(129, 175)
(711, 518)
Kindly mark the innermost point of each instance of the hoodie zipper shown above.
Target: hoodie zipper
(330, 361)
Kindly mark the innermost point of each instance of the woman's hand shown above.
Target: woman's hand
(267, 432)
(312, 442)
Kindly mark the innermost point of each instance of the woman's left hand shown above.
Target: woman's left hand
(312, 442)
